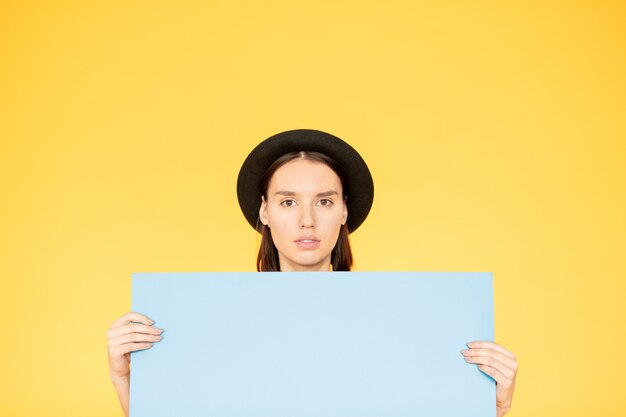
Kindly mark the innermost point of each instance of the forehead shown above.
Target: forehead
(302, 176)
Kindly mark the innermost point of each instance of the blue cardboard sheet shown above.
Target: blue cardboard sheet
(312, 344)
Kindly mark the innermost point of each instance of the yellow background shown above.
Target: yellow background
(495, 132)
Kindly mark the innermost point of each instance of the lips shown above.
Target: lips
(307, 242)
(307, 238)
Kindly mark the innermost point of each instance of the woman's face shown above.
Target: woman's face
(304, 210)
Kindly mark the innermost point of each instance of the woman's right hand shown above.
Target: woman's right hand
(125, 337)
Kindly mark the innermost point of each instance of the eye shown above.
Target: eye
(328, 202)
(282, 203)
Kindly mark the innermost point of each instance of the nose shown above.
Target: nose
(306, 219)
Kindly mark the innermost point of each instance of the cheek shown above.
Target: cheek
(282, 227)
(286, 223)
(281, 220)
(330, 220)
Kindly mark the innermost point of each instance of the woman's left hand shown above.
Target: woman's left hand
(500, 364)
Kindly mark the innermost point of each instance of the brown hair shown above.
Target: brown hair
(267, 259)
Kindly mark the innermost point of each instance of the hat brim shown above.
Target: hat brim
(359, 187)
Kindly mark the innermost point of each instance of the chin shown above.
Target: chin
(307, 261)
(310, 260)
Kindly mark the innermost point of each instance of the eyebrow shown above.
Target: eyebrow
(291, 193)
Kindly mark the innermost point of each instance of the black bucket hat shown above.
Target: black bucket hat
(359, 187)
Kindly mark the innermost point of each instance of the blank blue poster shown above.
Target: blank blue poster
(312, 344)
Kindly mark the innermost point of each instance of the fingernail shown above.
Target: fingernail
(464, 351)
(469, 345)
(158, 330)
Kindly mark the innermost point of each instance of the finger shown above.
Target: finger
(133, 338)
(511, 363)
(494, 373)
(132, 316)
(130, 347)
(133, 328)
(492, 362)
(492, 345)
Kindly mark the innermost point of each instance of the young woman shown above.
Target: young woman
(305, 191)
